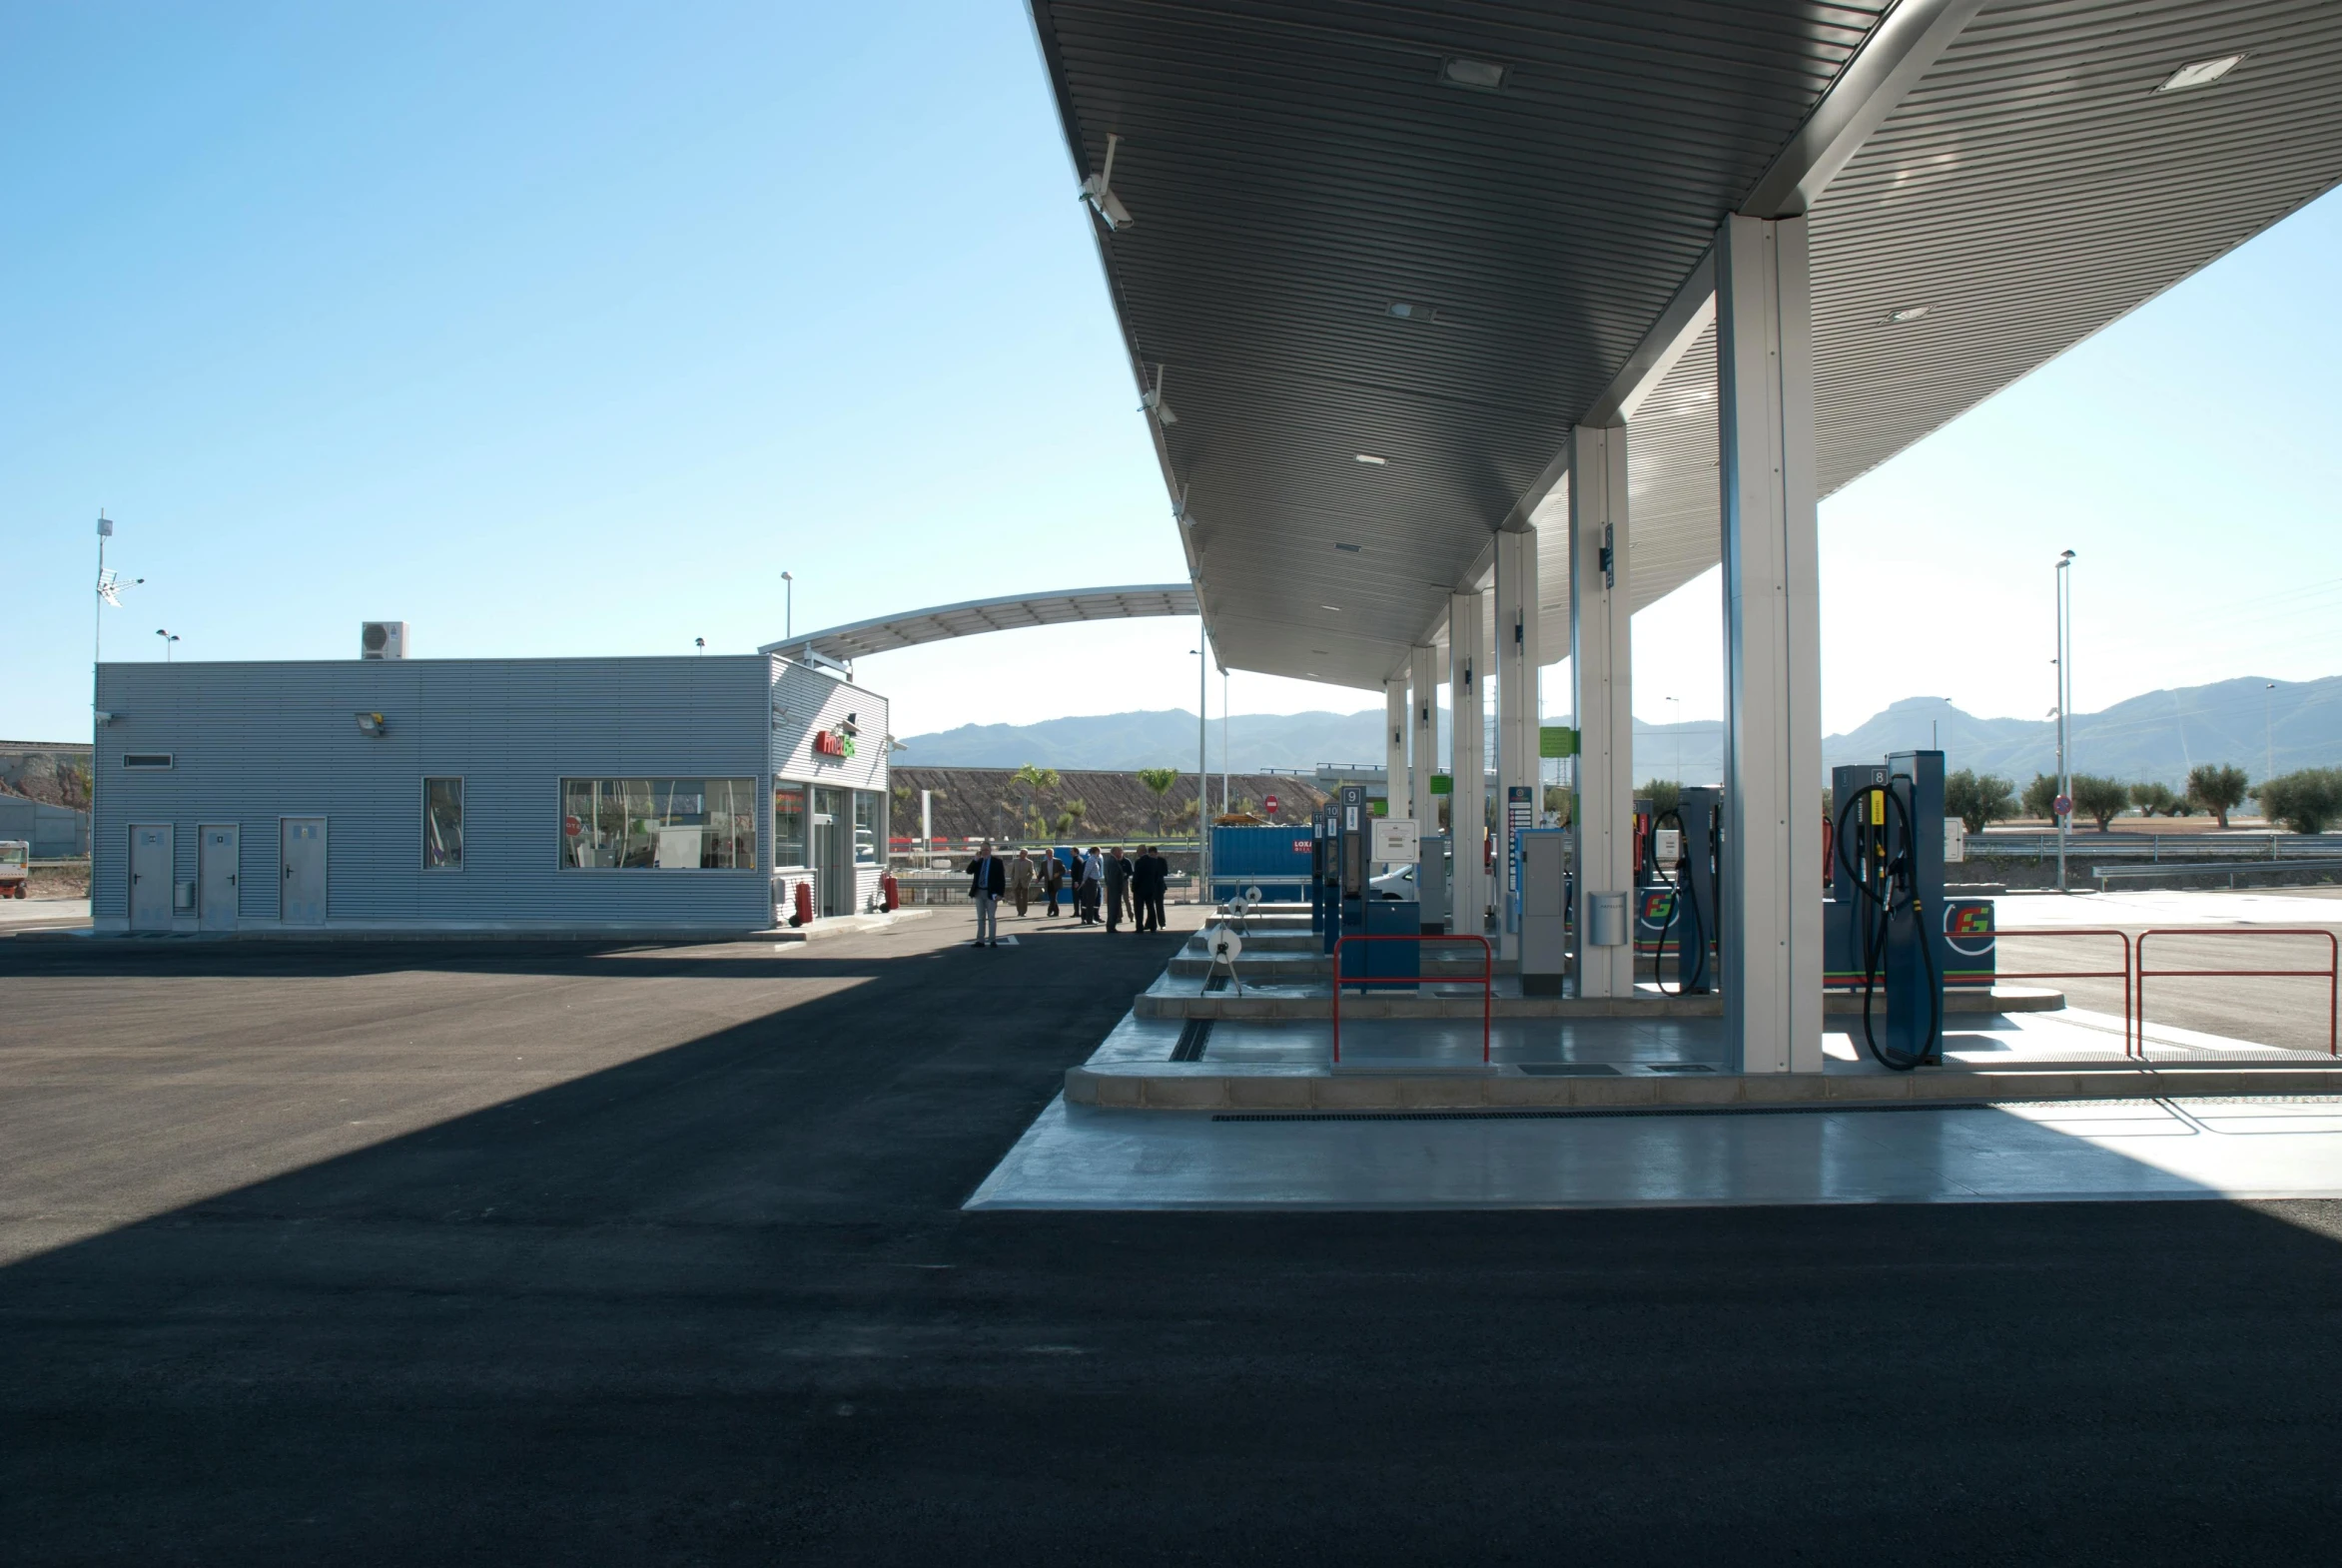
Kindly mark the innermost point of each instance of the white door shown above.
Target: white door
(219, 869)
(305, 871)
(150, 876)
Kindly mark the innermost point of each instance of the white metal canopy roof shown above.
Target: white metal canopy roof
(1014, 612)
(1442, 232)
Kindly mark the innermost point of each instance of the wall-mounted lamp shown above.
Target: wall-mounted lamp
(372, 727)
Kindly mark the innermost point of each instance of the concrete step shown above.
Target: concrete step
(1283, 1005)
(1164, 1086)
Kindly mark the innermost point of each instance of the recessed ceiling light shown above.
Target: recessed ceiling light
(1484, 75)
(1367, 456)
(1333, 608)
(1909, 312)
(2201, 73)
(1406, 311)
(1352, 549)
(1322, 653)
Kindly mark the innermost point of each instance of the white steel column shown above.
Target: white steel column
(1516, 694)
(1394, 747)
(1466, 766)
(1604, 819)
(1423, 683)
(1772, 893)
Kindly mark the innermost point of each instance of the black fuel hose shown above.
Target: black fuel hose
(1876, 920)
(1680, 899)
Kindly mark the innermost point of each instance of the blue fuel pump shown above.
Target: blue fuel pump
(1887, 867)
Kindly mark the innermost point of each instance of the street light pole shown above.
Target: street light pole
(1676, 726)
(1202, 761)
(2269, 733)
(788, 607)
(2065, 705)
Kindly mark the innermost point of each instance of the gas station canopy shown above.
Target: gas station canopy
(1374, 259)
(1011, 614)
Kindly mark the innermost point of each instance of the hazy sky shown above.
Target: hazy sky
(567, 329)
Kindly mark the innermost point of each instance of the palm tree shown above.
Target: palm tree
(1159, 780)
(1036, 782)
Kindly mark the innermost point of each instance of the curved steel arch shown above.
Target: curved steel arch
(1012, 612)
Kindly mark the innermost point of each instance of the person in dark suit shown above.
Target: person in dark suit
(988, 879)
(1147, 887)
(1117, 887)
(1054, 879)
(1161, 882)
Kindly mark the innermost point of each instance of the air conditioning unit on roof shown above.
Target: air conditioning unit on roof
(383, 639)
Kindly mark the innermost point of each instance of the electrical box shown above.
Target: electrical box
(1545, 910)
(1398, 839)
(1431, 883)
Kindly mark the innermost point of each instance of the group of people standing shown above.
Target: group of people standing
(1094, 877)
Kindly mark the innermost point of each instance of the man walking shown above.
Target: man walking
(1020, 880)
(1118, 888)
(1054, 879)
(1161, 882)
(986, 880)
(1093, 875)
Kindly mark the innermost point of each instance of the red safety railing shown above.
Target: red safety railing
(2331, 974)
(1486, 977)
(2123, 974)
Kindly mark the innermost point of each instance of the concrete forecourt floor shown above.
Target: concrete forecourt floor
(511, 1251)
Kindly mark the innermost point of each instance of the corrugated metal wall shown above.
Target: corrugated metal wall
(252, 743)
(806, 701)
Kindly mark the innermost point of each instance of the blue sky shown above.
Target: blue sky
(564, 329)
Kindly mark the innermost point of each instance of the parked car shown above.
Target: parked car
(15, 869)
(1398, 883)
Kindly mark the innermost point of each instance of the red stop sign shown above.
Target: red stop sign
(572, 827)
(1272, 802)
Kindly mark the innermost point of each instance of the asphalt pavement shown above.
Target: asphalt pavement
(516, 1253)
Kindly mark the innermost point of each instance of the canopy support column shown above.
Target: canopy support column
(1467, 768)
(1772, 893)
(1600, 665)
(1423, 683)
(1517, 663)
(1397, 800)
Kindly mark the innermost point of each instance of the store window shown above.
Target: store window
(658, 824)
(789, 825)
(866, 804)
(442, 824)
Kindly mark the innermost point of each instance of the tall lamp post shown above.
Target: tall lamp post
(2064, 803)
(1676, 724)
(1203, 762)
(2268, 731)
(788, 607)
(169, 638)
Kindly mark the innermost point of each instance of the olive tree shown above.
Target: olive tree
(2100, 798)
(2218, 789)
(2307, 801)
(1979, 799)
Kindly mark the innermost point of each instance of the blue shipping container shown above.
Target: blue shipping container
(1276, 859)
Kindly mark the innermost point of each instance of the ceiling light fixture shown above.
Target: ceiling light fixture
(1367, 456)
(1352, 548)
(1333, 608)
(1909, 312)
(1098, 191)
(2203, 73)
(1484, 76)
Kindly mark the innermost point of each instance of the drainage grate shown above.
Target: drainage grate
(1678, 1066)
(1569, 1069)
(1192, 1037)
(1215, 982)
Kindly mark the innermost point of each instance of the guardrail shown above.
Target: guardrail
(2157, 847)
(2123, 974)
(1487, 978)
(2332, 973)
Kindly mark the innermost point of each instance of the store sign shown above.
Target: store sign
(833, 743)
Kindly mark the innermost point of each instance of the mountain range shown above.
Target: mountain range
(2257, 724)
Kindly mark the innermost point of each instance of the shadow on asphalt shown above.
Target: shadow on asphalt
(718, 1304)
